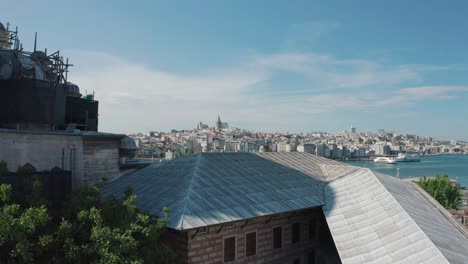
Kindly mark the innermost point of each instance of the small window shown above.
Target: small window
(313, 229)
(311, 258)
(250, 221)
(296, 232)
(229, 226)
(277, 216)
(251, 244)
(202, 230)
(229, 249)
(277, 237)
(297, 261)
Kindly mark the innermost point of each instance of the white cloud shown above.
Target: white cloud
(137, 97)
(331, 73)
(413, 94)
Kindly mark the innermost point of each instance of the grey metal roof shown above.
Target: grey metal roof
(368, 225)
(212, 188)
(451, 242)
(373, 218)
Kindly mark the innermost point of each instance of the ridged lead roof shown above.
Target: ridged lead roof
(373, 218)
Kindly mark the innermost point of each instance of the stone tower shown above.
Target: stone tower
(218, 124)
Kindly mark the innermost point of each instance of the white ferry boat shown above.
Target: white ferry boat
(385, 160)
(408, 157)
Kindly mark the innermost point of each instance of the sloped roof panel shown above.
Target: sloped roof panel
(213, 188)
(373, 218)
(452, 243)
(368, 225)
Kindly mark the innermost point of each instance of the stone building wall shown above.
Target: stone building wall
(207, 248)
(101, 159)
(88, 158)
(43, 151)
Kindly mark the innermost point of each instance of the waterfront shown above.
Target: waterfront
(456, 166)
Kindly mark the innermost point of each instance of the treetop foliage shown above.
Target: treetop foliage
(86, 229)
(442, 190)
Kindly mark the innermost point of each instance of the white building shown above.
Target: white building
(307, 148)
(169, 155)
(381, 149)
(284, 147)
(231, 146)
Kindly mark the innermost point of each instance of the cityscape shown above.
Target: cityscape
(346, 145)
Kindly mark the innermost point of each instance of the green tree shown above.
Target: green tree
(110, 231)
(442, 190)
(87, 229)
(23, 234)
(187, 153)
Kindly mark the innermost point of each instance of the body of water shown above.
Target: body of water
(456, 166)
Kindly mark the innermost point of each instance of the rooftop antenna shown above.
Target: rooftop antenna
(66, 71)
(16, 39)
(35, 41)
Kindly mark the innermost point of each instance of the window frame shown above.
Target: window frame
(273, 236)
(202, 230)
(256, 242)
(235, 248)
(228, 226)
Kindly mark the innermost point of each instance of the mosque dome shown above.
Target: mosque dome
(127, 143)
(72, 89)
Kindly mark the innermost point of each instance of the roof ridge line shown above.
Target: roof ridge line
(342, 176)
(194, 173)
(406, 213)
(440, 208)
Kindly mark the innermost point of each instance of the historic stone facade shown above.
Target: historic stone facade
(90, 157)
(207, 245)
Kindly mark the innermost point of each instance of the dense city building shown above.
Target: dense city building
(342, 145)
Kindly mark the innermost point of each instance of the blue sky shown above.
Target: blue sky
(263, 65)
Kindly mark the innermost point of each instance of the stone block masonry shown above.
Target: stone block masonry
(89, 158)
(207, 245)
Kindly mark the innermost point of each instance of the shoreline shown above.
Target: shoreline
(426, 155)
(445, 154)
